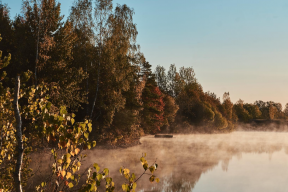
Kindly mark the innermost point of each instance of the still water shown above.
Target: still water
(239, 161)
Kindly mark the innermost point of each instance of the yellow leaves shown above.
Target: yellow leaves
(69, 144)
(152, 169)
(94, 143)
(126, 171)
(60, 161)
(99, 177)
(144, 163)
(134, 185)
(48, 138)
(83, 126)
(90, 127)
(77, 150)
(68, 175)
(70, 185)
(96, 166)
(125, 187)
(157, 180)
(142, 159)
(74, 169)
(68, 160)
(145, 166)
(72, 121)
(63, 173)
(106, 171)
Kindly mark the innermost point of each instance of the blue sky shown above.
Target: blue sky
(240, 46)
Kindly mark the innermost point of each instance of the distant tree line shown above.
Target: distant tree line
(203, 111)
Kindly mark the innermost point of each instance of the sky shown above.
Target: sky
(235, 46)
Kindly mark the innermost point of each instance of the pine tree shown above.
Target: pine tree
(54, 42)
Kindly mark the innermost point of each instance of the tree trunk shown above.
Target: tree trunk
(87, 90)
(37, 55)
(97, 88)
(17, 174)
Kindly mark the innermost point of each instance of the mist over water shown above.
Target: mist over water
(238, 161)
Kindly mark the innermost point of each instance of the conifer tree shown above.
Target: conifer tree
(54, 41)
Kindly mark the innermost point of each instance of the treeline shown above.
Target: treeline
(260, 110)
(201, 111)
(93, 66)
(90, 63)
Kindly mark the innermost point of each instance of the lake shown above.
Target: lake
(238, 161)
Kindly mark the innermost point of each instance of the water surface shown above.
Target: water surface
(238, 161)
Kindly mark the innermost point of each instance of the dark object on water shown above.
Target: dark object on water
(164, 136)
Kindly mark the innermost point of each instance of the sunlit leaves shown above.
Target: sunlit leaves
(157, 180)
(70, 185)
(68, 175)
(95, 179)
(152, 169)
(131, 178)
(77, 150)
(93, 143)
(96, 166)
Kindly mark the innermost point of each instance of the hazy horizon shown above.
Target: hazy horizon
(233, 46)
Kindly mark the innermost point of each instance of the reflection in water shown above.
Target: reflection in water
(253, 172)
(239, 161)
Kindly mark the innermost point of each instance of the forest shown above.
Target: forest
(83, 80)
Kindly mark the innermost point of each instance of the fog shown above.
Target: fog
(202, 162)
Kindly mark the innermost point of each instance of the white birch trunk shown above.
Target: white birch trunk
(17, 174)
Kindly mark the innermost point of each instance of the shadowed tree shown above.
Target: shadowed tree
(242, 114)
